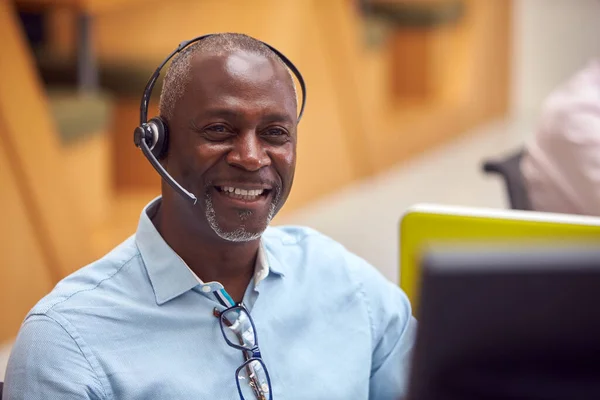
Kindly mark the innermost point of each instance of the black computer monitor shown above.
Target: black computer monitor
(508, 324)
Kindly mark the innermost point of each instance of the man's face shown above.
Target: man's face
(233, 142)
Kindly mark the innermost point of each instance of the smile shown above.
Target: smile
(242, 194)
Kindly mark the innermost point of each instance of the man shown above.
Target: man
(147, 320)
(561, 165)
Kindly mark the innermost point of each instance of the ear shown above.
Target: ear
(161, 130)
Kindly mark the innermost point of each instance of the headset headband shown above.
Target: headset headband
(150, 85)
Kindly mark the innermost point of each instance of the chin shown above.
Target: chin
(238, 235)
(238, 224)
(243, 227)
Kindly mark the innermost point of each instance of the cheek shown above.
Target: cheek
(191, 163)
(285, 163)
(204, 155)
(289, 159)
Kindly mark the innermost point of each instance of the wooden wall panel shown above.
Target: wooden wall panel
(340, 30)
(24, 271)
(30, 134)
(87, 170)
(467, 83)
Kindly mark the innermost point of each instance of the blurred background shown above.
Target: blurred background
(406, 100)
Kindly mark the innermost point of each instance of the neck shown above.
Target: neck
(211, 258)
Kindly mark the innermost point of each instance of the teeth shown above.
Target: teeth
(243, 193)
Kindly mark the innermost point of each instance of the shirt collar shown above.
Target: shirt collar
(261, 268)
(169, 275)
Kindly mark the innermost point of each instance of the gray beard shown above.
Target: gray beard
(240, 234)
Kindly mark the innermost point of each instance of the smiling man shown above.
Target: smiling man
(177, 310)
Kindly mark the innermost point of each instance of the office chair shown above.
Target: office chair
(509, 168)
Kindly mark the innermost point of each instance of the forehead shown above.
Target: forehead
(242, 81)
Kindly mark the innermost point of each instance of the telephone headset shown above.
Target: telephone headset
(152, 136)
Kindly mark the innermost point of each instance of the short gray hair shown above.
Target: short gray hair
(178, 76)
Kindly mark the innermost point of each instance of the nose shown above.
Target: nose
(248, 153)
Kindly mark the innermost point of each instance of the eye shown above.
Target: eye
(217, 132)
(276, 133)
(217, 128)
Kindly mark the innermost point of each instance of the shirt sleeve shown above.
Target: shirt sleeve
(47, 363)
(393, 333)
(561, 166)
(576, 145)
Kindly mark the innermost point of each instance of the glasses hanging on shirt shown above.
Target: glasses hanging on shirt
(252, 377)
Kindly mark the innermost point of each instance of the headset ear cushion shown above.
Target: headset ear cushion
(161, 130)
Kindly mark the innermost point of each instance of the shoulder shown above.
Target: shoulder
(49, 361)
(291, 241)
(314, 258)
(571, 108)
(290, 236)
(92, 281)
(55, 333)
(306, 251)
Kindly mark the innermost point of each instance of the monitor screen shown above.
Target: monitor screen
(505, 323)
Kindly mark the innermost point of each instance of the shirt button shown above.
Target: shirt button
(206, 289)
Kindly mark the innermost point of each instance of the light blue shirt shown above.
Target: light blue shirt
(138, 324)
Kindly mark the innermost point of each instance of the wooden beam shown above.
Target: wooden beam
(25, 273)
(31, 136)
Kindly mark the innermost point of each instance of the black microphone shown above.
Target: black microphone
(140, 140)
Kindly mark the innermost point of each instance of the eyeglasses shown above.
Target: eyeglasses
(239, 332)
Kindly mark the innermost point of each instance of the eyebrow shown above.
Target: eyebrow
(276, 116)
(227, 113)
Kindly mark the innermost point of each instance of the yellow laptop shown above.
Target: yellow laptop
(425, 225)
